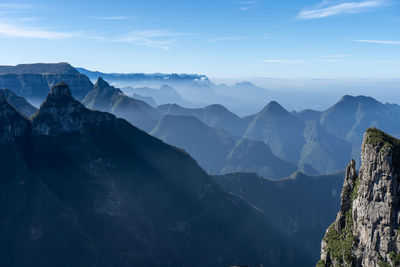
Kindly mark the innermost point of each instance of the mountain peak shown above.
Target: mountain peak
(101, 83)
(61, 113)
(275, 108)
(60, 91)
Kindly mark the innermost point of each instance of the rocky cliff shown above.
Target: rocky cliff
(33, 81)
(366, 230)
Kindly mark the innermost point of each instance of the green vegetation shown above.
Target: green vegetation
(382, 263)
(376, 136)
(340, 245)
(321, 263)
(394, 258)
(354, 194)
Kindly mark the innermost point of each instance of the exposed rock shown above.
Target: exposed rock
(61, 113)
(366, 230)
(33, 81)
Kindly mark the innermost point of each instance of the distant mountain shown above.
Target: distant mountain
(107, 98)
(301, 206)
(149, 100)
(300, 142)
(39, 68)
(18, 102)
(33, 81)
(216, 116)
(208, 146)
(308, 115)
(217, 152)
(352, 116)
(113, 77)
(322, 150)
(83, 188)
(280, 130)
(165, 95)
(255, 156)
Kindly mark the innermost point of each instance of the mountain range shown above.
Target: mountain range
(84, 188)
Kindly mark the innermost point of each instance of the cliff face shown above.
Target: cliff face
(366, 230)
(37, 86)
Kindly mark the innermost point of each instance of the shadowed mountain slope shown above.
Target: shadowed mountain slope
(216, 116)
(217, 152)
(107, 98)
(18, 102)
(301, 206)
(83, 188)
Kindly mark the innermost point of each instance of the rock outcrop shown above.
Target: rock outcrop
(33, 81)
(366, 230)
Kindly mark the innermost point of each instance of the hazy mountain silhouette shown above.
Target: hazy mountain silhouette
(300, 142)
(352, 116)
(83, 188)
(308, 115)
(164, 95)
(18, 102)
(104, 97)
(149, 100)
(301, 206)
(322, 150)
(255, 156)
(216, 116)
(218, 152)
(280, 130)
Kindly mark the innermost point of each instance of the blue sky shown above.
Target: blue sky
(220, 38)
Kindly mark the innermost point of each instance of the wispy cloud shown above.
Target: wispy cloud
(113, 17)
(238, 38)
(154, 38)
(150, 38)
(15, 31)
(328, 9)
(381, 42)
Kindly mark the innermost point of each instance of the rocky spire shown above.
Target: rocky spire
(60, 112)
(366, 230)
(60, 91)
(101, 83)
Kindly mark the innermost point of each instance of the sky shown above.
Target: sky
(308, 39)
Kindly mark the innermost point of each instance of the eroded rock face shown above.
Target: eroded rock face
(366, 230)
(61, 113)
